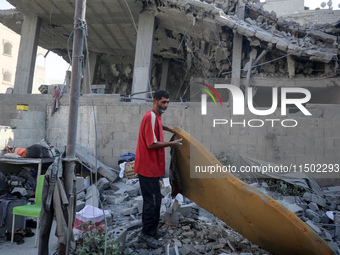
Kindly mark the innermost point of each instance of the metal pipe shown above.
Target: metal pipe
(70, 224)
(77, 60)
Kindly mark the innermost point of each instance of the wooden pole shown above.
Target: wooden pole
(77, 60)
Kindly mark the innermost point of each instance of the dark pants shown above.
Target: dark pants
(152, 198)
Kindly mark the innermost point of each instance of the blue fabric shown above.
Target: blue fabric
(127, 157)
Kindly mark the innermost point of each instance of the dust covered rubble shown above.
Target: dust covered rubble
(264, 31)
(320, 212)
(189, 229)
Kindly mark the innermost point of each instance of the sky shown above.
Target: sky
(56, 66)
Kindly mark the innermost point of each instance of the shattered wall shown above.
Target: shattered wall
(204, 50)
(22, 128)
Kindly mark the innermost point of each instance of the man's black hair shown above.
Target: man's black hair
(159, 94)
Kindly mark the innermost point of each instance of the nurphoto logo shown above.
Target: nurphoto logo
(238, 105)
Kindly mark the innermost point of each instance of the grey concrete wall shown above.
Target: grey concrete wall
(117, 125)
(29, 125)
(284, 7)
(316, 139)
(315, 17)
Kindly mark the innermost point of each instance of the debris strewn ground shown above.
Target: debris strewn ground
(189, 229)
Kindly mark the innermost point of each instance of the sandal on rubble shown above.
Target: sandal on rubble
(149, 240)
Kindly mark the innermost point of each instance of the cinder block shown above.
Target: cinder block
(333, 151)
(248, 139)
(332, 132)
(120, 237)
(315, 150)
(294, 150)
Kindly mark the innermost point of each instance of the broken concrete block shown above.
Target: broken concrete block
(129, 211)
(245, 30)
(289, 199)
(323, 36)
(321, 56)
(120, 237)
(81, 195)
(185, 209)
(200, 248)
(314, 227)
(311, 214)
(332, 207)
(313, 206)
(108, 219)
(263, 36)
(231, 23)
(324, 219)
(172, 218)
(282, 45)
(120, 188)
(333, 245)
(331, 200)
(102, 184)
(186, 228)
(294, 208)
(171, 250)
(166, 189)
(80, 205)
(258, 6)
(188, 234)
(115, 199)
(88, 160)
(92, 196)
(309, 197)
(327, 236)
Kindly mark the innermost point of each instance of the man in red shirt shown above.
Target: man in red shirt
(150, 165)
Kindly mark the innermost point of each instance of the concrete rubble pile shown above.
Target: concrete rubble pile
(205, 49)
(320, 212)
(262, 29)
(188, 228)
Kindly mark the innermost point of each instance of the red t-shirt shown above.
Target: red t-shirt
(150, 162)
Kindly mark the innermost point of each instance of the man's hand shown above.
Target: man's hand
(176, 143)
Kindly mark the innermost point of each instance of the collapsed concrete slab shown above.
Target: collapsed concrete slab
(94, 165)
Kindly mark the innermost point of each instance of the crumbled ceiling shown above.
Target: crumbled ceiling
(197, 37)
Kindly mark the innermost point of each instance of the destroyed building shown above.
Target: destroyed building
(178, 43)
(134, 47)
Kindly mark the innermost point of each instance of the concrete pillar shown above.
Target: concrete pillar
(237, 50)
(291, 66)
(30, 31)
(165, 72)
(237, 53)
(143, 55)
(93, 67)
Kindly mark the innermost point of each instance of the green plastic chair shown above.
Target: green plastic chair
(31, 210)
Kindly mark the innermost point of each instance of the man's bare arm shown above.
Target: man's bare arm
(159, 145)
(168, 129)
